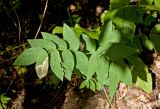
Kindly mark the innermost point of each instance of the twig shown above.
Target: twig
(110, 104)
(10, 16)
(1, 61)
(13, 48)
(156, 73)
(19, 27)
(10, 85)
(45, 9)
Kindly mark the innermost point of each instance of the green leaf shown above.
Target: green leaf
(126, 28)
(155, 38)
(119, 51)
(114, 4)
(43, 43)
(145, 85)
(118, 71)
(68, 63)
(149, 20)
(92, 65)
(157, 3)
(71, 38)
(92, 85)
(85, 66)
(28, 57)
(102, 71)
(82, 62)
(147, 43)
(140, 74)
(58, 30)
(85, 83)
(108, 35)
(55, 64)
(146, 2)
(137, 42)
(110, 15)
(156, 29)
(42, 64)
(4, 101)
(92, 34)
(90, 43)
(60, 42)
(132, 13)
(105, 33)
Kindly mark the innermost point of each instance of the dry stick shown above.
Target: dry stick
(19, 27)
(13, 48)
(110, 104)
(45, 8)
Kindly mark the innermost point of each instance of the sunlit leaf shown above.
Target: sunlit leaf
(157, 3)
(82, 62)
(55, 64)
(90, 43)
(60, 42)
(28, 57)
(102, 70)
(140, 74)
(20, 70)
(92, 34)
(71, 38)
(92, 85)
(147, 43)
(4, 101)
(118, 71)
(58, 30)
(43, 43)
(92, 65)
(105, 33)
(126, 28)
(68, 63)
(85, 66)
(85, 83)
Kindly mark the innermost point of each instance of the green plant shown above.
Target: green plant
(4, 101)
(109, 56)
